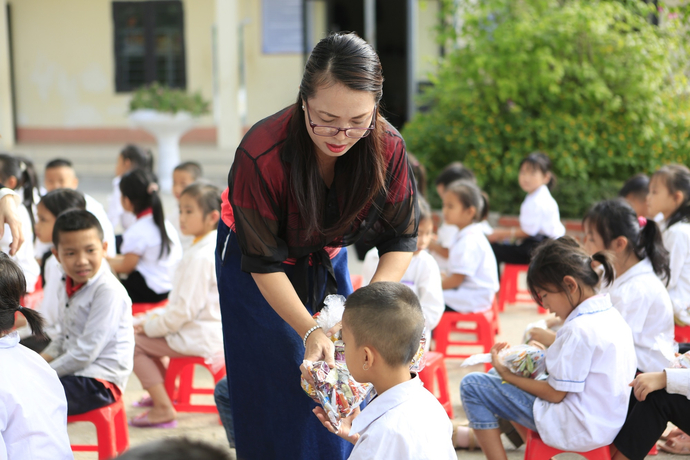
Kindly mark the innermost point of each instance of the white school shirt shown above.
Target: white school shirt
(143, 238)
(446, 234)
(33, 407)
(191, 321)
(539, 214)
(471, 255)
(96, 208)
(404, 422)
(677, 243)
(50, 306)
(96, 337)
(24, 257)
(593, 359)
(678, 382)
(116, 214)
(643, 301)
(422, 276)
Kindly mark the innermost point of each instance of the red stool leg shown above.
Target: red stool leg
(184, 392)
(442, 379)
(121, 430)
(105, 432)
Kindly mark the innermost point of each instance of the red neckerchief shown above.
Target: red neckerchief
(71, 288)
(145, 212)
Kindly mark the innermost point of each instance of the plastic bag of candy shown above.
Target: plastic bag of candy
(419, 359)
(681, 361)
(335, 389)
(525, 360)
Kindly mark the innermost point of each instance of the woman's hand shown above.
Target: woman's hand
(9, 216)
(647, 383)
(495, 362)
(319, 348)
(345, 424)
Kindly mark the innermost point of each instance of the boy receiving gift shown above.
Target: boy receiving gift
(382, 327)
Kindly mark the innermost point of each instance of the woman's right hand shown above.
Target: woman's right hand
(319, 348)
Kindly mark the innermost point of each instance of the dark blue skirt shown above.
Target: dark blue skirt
(272, 415)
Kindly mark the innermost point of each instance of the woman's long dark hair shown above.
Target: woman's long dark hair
(615, 218)
(346, 59)
(13, 288)
(141, 189)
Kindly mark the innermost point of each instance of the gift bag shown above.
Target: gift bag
(525, 360)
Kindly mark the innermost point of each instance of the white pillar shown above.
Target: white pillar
(370, 22)
(6, 109)
(227, 57)
(412, 43)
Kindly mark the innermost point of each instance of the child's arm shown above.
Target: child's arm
(345, 424)
(539, 388)
(125, 263)
(543, 336)
(452, 281)
(436, 247)
(501, 234)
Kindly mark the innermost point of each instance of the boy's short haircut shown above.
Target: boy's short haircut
(637, 185)
(454, 171)
(175, 449)
(192, 167)
(59, 163)
(388, 317)
(206, 195)
(74, 220)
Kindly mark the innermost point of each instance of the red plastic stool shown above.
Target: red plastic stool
(509, 290)
(484, 329)
(181, 395)
(434, 377)
(141, 307)
(111, 430)
(495, 324)
(682, 334)
(357, 281)
(535, 449)
(654, 450)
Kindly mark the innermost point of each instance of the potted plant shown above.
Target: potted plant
(166, 113)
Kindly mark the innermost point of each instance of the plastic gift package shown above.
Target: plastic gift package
(525, 360)
(681, 361)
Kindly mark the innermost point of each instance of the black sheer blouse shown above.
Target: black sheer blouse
(259, 207)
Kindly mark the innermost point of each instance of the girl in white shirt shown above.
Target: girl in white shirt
(642, 266)
(472, 279)
(131, 157)
(539, 215)
(19, 175)
(669, 194)
(583, 403)
(33, 419)
(150, 246)
(49, 208)
(422, 276)
(190, 324)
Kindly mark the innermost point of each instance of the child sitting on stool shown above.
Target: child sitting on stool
(92, 353)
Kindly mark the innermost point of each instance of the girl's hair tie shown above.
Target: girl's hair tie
(20, 308)
(642, 220)
(153, 187)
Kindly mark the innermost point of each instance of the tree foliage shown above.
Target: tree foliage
(594, 84)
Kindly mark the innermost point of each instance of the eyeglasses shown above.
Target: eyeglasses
(331, 131)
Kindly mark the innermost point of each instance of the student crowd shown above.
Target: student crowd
(616, 299)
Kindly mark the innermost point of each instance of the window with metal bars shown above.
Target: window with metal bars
(149, 44)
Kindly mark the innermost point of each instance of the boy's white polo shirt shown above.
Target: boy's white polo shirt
(405, 422)
(593, 359)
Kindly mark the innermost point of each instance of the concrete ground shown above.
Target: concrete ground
(95, 165)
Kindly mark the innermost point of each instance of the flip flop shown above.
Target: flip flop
(673, 433)
(142, 421)
(509, 430)
(675, 447)
(145, 401)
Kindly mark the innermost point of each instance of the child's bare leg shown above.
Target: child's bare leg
(619, 456)
(490, 442)
(162, 410)
(522, 431)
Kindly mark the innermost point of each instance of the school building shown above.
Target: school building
(68, 67)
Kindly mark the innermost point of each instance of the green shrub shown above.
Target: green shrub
(164, 99)
(591, 83)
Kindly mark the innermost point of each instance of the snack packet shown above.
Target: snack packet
(681, 361)
(337, 392)
(525, 360)
(419, 360)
